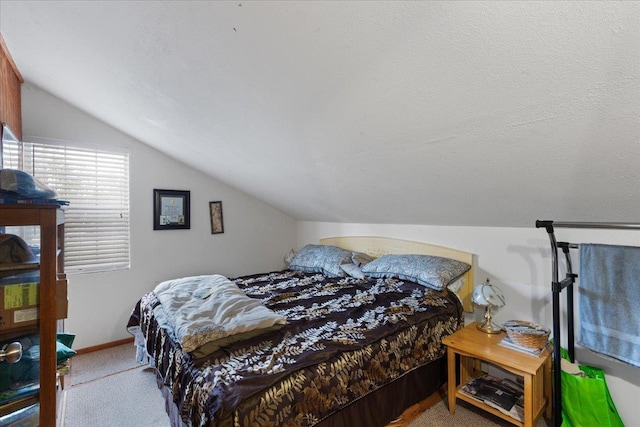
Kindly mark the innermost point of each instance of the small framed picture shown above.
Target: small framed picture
(215, 210)
(171, 209)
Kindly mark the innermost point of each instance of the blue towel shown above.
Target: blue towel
(610, 301)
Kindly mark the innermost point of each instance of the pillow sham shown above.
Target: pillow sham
(321, 259)
(431, 271)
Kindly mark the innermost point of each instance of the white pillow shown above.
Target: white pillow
(352, 270)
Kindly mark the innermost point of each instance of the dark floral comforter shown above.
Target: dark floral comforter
(344, 339)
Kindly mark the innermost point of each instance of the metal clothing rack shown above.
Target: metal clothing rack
(557, 287)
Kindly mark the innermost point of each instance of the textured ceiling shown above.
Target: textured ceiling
(456, 113)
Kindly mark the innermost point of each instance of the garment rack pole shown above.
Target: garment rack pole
(608, 225)
(557, 286)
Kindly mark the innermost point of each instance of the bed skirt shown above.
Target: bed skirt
(377, 409)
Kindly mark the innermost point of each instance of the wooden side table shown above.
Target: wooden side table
(473, 346)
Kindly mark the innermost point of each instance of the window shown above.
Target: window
(96, 183)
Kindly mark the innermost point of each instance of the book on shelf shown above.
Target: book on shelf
(507, 342)
(505, 395)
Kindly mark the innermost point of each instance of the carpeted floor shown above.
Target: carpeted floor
(125, 399)
(100, 364)
(465, 415)
(108, 388)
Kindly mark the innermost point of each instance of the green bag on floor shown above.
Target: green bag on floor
(586, 400)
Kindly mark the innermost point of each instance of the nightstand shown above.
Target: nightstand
(473, 346)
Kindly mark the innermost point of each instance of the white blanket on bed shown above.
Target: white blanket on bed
(201, 309)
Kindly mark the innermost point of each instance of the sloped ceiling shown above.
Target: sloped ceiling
(453, 113)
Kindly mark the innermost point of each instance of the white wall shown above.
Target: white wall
(518, 260)
(256, 236)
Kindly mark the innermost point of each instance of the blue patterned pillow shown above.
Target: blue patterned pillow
(321, 259)
(431, 271)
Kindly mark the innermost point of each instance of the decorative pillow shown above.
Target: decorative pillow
(65, 338)
(431, 271)
(352, 270)
(360, 258)
(321, 259)
(63, 353)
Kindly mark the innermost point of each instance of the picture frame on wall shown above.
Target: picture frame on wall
(171, 209)
(215, 210)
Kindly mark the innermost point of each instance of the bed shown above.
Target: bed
(350, 350)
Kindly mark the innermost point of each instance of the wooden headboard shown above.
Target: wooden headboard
(377, 246)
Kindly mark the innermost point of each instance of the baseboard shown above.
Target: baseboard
(104, 346)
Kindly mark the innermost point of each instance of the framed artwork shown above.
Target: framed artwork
(171, 210)
(215, 210)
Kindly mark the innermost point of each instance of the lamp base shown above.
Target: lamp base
(488, 327)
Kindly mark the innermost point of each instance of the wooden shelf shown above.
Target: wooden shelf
(17, 405)
(11, 334)
(20, 267)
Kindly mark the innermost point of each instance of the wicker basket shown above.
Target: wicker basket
(527, 334)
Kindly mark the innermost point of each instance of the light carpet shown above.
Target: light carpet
(100, 364)
(108, 388)
(465, 415)
(125, 399)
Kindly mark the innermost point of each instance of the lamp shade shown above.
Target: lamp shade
(488, 296)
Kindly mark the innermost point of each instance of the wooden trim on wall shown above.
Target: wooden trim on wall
(10, 97)
(105, 346)
(5, 51)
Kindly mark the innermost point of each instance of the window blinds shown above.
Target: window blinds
(96, 183)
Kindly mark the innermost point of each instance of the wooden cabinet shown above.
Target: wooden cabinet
(470, 346)
(31, 295)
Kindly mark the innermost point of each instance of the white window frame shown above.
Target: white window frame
(97, 220)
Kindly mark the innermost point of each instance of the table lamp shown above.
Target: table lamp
(488, 296)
